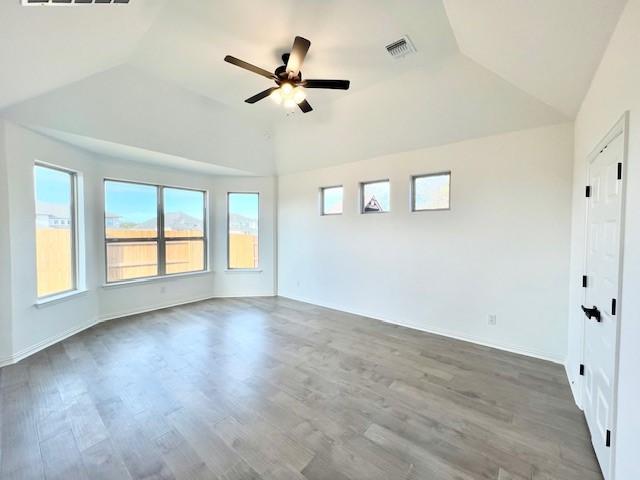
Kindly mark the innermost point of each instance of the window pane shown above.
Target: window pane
(55, 260)
(431, 192)
(243, 230)
(131, 210)
(332, 200)
(185, 256)
(129, 260)
(183, 213)
(375, 197)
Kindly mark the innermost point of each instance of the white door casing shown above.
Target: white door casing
(603, 256)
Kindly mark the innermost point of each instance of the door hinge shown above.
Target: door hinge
(584, 281)
(608, 440)
(582, 369)
(619, 171)
(587, 191)
(613, 306)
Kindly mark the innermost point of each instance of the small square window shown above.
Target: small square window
(431, 192)
(375, 197)
(332, 200)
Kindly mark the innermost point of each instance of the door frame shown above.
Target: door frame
(621, 127)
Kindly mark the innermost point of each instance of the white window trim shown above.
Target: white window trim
(59, 298)
(78, 250)
(144, 280)
(256, 268)
(362, 205)
(160, 239)
(412, 198)
(322, 190)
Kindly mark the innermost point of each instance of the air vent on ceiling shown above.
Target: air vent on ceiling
(61, 3)
(401, 48)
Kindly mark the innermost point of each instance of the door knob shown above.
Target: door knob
(592, 313)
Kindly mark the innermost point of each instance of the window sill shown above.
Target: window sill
(139, 281)
(52, 300)
(242, 270)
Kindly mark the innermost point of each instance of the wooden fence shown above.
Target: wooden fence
(53, 260)
(129, 260)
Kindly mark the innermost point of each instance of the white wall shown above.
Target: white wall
(33, 327)
(614, 90)
(503, 248)
(5, 257)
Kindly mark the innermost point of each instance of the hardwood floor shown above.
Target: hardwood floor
(275, 389)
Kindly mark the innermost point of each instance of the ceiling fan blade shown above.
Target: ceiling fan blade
(305, 107)
(296, 58)
(247, 66)
(261, 95)
(332, 84)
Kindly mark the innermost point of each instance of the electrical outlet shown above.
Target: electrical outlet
(493, 319)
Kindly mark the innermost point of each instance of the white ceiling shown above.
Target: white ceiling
(150, 76)
(129, 107)
(119, 150)
(549, 48)
(43, 48)
(189, 39)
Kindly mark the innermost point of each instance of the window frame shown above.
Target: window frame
(160, 239)
(322, 190)
(229, 267)
(75, 239)
(369, 182)
(413, 191)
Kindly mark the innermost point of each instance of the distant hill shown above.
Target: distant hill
(183, 221)
(174, 221)
(242, 224)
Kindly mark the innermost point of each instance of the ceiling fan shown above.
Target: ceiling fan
(288, 77)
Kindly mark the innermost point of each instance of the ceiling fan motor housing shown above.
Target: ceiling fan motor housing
(283, 75)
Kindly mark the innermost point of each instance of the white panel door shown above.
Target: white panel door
(601, 295)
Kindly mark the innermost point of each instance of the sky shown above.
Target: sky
(380, 190)
(52, 186)
(332, 198)
(432, 192)
(245, 204)
(136, 203)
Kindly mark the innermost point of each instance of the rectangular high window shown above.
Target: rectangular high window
(431, 192)
(153, 230)
(56, 259)
(374, 196)
(331, 198)
(243, 232)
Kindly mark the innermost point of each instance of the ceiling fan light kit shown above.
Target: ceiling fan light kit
(290, 89)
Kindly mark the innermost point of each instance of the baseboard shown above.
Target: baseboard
(68, 333)
(573, 385)
(114, 316)
(27, 352)
(444, 333)
(128, 313)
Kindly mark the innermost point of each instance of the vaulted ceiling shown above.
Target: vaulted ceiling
(146, 80)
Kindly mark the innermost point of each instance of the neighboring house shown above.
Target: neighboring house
(178, 221)
(242, 224)
(111, 220)
(51, 215)
(373, 205)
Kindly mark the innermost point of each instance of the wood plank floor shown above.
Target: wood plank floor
(274, 389)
